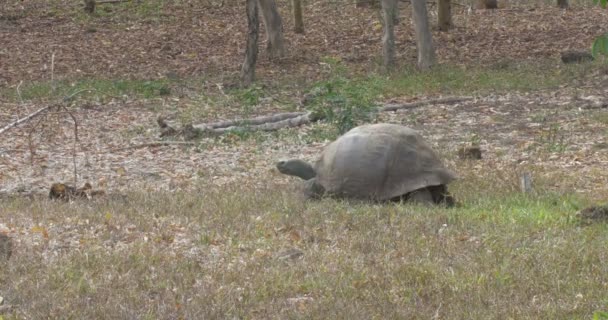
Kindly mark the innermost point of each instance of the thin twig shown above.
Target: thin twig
(6, 308)
(70, 97)
(30, 139)
(412, 105)
(19, 91)
(53, 71)
(152, 144)
(24, 119)
(111, 1)
(76, 140)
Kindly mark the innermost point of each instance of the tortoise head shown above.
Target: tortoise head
(296, 167)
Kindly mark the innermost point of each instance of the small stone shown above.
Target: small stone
(290, 254)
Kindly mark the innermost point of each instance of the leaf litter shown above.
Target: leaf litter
(560, 130)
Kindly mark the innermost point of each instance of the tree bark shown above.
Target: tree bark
(444, 15)
(389, 17)
(251, 53)
(89, 6)
(367, 4)
(297, 16)
(562, 4)
(424, 39)
(487, 4)
(274, 28)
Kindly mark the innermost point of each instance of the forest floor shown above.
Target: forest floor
(529, 112)
(131, 52)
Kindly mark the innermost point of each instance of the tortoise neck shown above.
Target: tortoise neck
(303, 170)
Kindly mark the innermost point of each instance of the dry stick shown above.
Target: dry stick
(6, 308)
(111, 1)
(294, 119)
(412, 105)
(76, 140)
(253, 121)
(53, 71)
(152, 144)
(30, 139)
(70, 97)
(24, 119)
(268, 126)
(19, 91)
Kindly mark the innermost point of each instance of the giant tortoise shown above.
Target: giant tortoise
(379, 162)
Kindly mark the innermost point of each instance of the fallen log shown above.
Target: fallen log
(295, 121)
(24, 119)
(283, 120)
(252, 121)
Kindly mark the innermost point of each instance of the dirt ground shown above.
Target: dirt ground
(561, 128)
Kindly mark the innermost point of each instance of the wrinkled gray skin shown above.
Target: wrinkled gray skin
(383, 162)
(304, 170)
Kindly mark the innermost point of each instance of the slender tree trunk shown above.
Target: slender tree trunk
(367, 3)
(251, 53)
(297, 16)
(274, 28)
(424, 39)
(562, 4)
(444, 15)
(89, 6)
(389, 17)
(487, 4)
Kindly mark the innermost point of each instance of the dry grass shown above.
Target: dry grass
(257, 251)
(219, 253)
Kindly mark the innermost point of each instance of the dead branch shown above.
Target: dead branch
(111, 1)
(413, 105)
(24, 119)
(30, 138)
(151, 144)
(283, 120)
(250, 122)
(76, 140)
(6, 308)
(295, 121)
(19, 91)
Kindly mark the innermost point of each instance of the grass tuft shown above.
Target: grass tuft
(215, 253)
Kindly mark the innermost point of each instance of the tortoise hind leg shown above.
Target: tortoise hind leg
(429, 195)
(422, 196)
(441, 195)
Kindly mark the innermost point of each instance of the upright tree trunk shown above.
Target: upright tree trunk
(368, 4)
(274, 28)
(487, 4)
(251, 53)
(89, 6)
(424, 39)
(444, 15)
(562, 4)
(297, 16)
(389, 17)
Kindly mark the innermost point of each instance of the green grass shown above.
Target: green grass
(214, 253)
(342, 86)
(100, 89)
